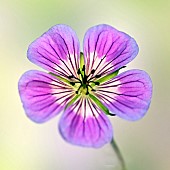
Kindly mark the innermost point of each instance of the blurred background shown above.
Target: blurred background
(24, 145)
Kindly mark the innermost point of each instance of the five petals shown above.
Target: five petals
(106, 50)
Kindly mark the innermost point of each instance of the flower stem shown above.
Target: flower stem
(119, 155)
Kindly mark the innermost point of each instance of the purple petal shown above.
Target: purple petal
(43, 96)
(84, 124)
(107, 49)
(57, 51)
(128, 95)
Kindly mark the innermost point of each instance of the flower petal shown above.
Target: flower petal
(84, 124)
(57, 50)
(127, 95)
(43, 96)
(107, 49)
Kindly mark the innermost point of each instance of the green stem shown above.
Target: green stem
(118, 153)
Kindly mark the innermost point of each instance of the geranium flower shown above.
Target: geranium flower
(85, 86)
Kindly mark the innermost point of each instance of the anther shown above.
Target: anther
(72, 83)
(76, 92)
(92, 72)
(96, 83)
(87, 93)
(98, 76)
(78, 72)
(70, 77)
(83, 69)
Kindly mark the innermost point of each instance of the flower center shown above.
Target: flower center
(84, 85)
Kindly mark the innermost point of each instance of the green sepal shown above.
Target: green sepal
(99, 104)
(72, 101)
(81, 63)
(105, 78)
(108, 77)
(60, 78)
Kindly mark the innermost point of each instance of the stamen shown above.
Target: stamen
(85, 77)
(90, 87)
(78, 89)
(87, 90)
(78, 79)
(98, 76)
(96, 83)
(87, 93)
(70, 77)
(78, 72)
(72, 83)
(83, 69)
(92, 72)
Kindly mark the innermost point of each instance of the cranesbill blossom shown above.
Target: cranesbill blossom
(85, 86)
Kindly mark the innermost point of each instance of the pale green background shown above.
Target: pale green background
(25, 145)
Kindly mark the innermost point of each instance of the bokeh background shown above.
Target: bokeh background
(25, 145)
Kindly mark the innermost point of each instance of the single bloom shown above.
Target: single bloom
(84, 86)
